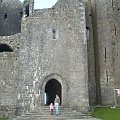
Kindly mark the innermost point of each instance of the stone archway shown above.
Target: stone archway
(52, 88)
(5, 48)
(58, 81)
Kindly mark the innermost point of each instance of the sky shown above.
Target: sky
(40, 4)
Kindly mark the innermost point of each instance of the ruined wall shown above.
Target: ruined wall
(103, 22)
(53, 41)
(116, 45)
(64, 43)
(10, 17)
(8, 75)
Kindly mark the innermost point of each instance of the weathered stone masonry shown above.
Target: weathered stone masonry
(8, 74)
(61, 55)
(106, 36)
(71, 49)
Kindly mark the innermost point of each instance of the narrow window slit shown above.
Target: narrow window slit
(105, 54)
(5, 16)
(115, 29)
(113, 4)
(107, 75)
(21, 14)
(88, 32)
(54, 33)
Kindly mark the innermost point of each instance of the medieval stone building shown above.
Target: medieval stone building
(71, 49)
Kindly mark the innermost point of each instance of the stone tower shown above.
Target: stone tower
(31, 7)
(28, 7)
(10, 27)
(105, 15)
(10, 14)
(53, 58)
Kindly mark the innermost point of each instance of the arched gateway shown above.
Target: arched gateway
(51, 86)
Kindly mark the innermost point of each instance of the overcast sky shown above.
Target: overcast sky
(40, 4)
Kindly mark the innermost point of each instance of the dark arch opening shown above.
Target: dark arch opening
(52, 88)
(5, 48)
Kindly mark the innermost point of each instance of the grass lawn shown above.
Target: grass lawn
(106, 113)
(2, 118)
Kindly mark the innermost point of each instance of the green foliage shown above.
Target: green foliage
(106, 113)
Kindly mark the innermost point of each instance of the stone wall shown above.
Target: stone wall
(54, 42)
(8, 75)
(104, 32)
(10, 17)
(116, 45)
(78, 49)
(90, 50)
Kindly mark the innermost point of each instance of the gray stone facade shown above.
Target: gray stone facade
(10, 17)
(106, 34)
(59, 56)
(71, 49)
(8, 74)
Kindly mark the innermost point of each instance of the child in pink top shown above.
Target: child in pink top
(51, 108)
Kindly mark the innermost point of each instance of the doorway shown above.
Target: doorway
(52, 88)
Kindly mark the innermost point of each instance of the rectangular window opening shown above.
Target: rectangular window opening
(107, 75)
(5, 16)
(21, 14)
(115, 29)
(88, 33)
(113, 4)
(105, 54)
(54, 33)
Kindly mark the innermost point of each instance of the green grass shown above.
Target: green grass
(106, 113)
(3, 118)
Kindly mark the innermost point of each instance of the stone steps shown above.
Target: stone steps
(44, 114)
(49, 118)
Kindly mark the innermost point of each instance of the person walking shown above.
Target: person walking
(56, 103)
(51, 108)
